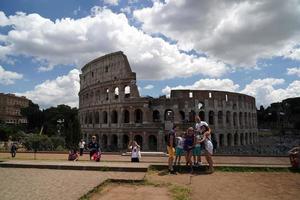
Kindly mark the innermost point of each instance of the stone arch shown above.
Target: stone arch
(127, 91)
(114, 142)
(114, 117)
(202, 115)
(246, 138)
(104, 141)
(90, 118)
(105, 118)
(96, 116)
(169, 115)
(192, 116)
(139, 140)
(242, 139)
(228, 115)
(156, 116)
(211, 117)
(138, 116)
(235, 119)
(229, 139)
(182, 116)
(220, 118)
(236, 139)
(221, 140)
(86, 118)
(241, 119)
(125, 140)
(152, 143)
(116, 92)
(126, 116)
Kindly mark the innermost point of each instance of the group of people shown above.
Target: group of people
(191, 144)
(93, 146)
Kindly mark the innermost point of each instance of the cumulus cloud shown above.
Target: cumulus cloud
(62, 90)
(111, 2)
(237, 32)
(8, 77)
(262, 89)
(206, 84)
(294, 71)
(149, 87)
(76, 41)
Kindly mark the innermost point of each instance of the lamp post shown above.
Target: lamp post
(60, 124)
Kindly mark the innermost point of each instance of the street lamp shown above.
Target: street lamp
(60, 124)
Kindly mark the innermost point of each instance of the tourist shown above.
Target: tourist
(179, 149)
(135, 152)
(197, 149)
(81, 146)
(189, 144)
(208, 145)
(171, 148)
(294, 155)
(73, 155)
(93, 147)
(13, 150)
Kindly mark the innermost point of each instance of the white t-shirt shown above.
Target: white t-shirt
(134, 152)
(81, 145)
(180, 142)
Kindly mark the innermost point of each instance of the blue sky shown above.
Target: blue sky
(249, 47)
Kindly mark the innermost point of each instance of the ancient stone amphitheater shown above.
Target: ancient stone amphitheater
(111, 108)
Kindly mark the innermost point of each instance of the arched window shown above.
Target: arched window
(202, 115)
(228, 116)
(221, 140)
(156, 116)
(152, 143)
(127, 91)
(114, 117)
(220, 118)
(96, 116)
(241, 119)
(138, 116)
(192, 116)
(234, 119)
(236, 139)
(169, 115)
(90, 118)
(116, 93)
(126, 116)
(104, 114)
(229, 139)
(182, 116)
(211, 117)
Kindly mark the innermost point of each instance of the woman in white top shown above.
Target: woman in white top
(135, 152)
(208, 146)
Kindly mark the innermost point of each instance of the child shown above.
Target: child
(179, 149)
(73, 155)
(135, 152)
(13, 150)
(189, 144)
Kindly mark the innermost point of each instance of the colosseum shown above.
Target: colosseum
(111, 108)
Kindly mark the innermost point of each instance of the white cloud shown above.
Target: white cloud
(62, 90)
(76, 41)
(237, 32)
(206, 84)
(262, 89)
(111, 2)
(294, 71)
(8, 77)
(149, 87)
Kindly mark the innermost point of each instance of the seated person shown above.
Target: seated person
(73, 155)
(294, 155)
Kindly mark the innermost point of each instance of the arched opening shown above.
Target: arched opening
(192, 116)
(249, 120)
(139, 140)
(182, 116)
(241, 119)
(156, 116)
(105, 121)
(220, 118)
(116, 93)
(104, 141)
(211, 117)
(169, 115)
(250, 138)
(236, 139)
(246, 120)
(152, 143)
(114, 117)
(242, 139)
(125, 141)
(202, 115)
(138, 116)
(126, 116)
(234, 119)
(114, 142)
(228, 115)
(246, 138)
(229, 139)
(221, 140)
(90, 118)
(86, 118)
(96, 116)
(127, 91)
(107, 94)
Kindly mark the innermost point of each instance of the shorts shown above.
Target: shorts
(171, 151)
(179, 151)
(135, 160)
(197, 151)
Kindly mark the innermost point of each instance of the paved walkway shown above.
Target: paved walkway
(37, 184)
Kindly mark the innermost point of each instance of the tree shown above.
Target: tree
(34, 117)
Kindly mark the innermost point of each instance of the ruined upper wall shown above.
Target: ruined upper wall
(110, 67)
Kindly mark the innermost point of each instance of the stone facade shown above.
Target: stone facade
(111, 108)
(10, 108)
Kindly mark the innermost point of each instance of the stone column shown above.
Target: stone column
(145, 142)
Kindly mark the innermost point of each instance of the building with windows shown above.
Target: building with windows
(111, 108)
(10, 108)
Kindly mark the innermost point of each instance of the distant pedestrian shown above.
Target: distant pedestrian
(81, 146)
(135, 152)
(13, 150)
(93, 147)
(171, 148)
